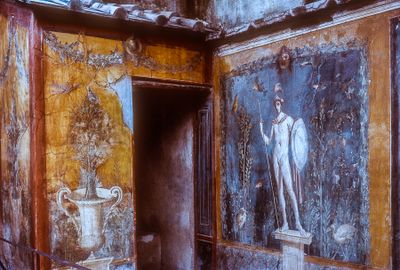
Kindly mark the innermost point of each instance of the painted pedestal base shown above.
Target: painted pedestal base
(92, 263)
(96, 264)
(292, 245)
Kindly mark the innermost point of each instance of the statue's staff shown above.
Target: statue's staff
(269, 172)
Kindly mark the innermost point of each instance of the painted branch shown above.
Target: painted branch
(111, 9)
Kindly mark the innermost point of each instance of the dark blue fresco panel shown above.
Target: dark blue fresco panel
(327, 87)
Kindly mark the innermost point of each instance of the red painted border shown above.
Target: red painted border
(25, 18)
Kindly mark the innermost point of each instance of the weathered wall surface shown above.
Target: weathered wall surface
(89, 145)
(15, 189)
(236, 258)
(89, 138)
(326, 89)
(231, 14)
(338, 83)
(179, 6)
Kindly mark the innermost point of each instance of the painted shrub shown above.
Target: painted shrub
(326, 87)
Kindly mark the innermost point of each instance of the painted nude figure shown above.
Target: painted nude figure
(281, 134)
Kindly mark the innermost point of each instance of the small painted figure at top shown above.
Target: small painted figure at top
(287, 134)
(284, 59)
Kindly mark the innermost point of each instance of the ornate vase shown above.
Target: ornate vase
(93, 215)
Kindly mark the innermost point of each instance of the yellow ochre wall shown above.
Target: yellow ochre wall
(67, 80)
(73, 64)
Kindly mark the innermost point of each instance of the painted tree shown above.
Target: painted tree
(91, 137)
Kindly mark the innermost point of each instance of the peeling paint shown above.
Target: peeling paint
(244, 11)
(123, 88)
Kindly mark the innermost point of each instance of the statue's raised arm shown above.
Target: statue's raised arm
(266, 139)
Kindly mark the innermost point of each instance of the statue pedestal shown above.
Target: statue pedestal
(292, 245)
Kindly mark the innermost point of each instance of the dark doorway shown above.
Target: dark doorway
(165, 132)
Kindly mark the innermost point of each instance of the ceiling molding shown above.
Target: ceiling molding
(343, 17)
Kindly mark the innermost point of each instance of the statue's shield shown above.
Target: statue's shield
(299, 144)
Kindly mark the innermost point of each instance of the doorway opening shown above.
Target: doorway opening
(165, 139)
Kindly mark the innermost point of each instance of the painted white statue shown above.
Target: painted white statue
(287, 134)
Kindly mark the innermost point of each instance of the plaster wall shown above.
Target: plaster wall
(88, 90)
(15, 127)
(373, 35)
(78, 79)
(234, 13)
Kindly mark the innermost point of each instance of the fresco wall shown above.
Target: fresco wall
(333, 93)
(244, 11)
(89, 155)
(326, 88)
(15, 142)
(90, 141)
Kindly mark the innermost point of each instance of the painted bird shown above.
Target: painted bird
(235, 104)
(343, 234)
(278, 88)
(257, 86)
(241, 217)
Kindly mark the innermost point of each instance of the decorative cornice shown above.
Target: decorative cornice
(338, 19)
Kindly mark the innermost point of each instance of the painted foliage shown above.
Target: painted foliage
(14, 135)
(323, 92)
(89, 151)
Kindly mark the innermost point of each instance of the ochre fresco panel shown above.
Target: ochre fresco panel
(149, 60)
(14, 134)
(174, 63)
(89, 151)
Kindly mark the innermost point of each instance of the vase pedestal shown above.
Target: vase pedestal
(292, 246)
